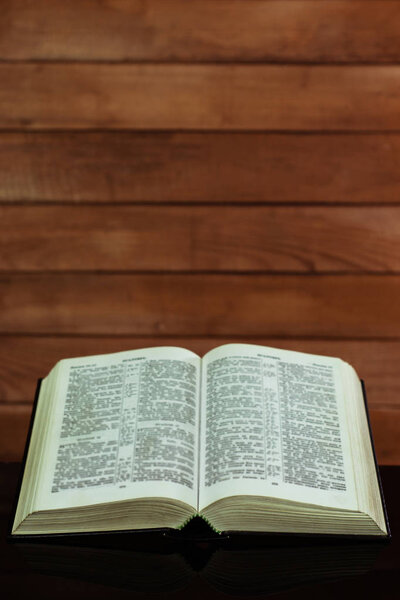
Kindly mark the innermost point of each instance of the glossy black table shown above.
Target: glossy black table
(199, 568)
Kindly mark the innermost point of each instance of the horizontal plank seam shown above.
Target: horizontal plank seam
(195, 273)
(195, 336)
(284, 204)
(16, 403)
(205, 131)
(198, 272)
(199, 62)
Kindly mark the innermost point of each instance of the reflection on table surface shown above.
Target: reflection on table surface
(171, 566)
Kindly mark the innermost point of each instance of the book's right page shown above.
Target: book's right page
(273, 423)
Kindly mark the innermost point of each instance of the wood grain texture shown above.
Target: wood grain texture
(346, 306)
(15, 422)
(201, 30)
(385, 427)
(199, 167)
(199, 238)
(203, 97)
(24, 359)
(138, 77)
(14, 429)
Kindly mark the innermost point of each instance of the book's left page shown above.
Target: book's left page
(120, 426)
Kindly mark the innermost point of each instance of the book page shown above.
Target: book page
(367, 485)
(273, 424)
(124, 426)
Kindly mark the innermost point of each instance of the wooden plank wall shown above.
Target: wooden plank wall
(193, 173)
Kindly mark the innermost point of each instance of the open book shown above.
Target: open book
(248, 437)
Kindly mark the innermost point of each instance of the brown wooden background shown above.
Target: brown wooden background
(197, 172)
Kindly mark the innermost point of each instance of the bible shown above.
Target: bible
(248, 438)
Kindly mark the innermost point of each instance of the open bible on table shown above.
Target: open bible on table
(250, 438)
